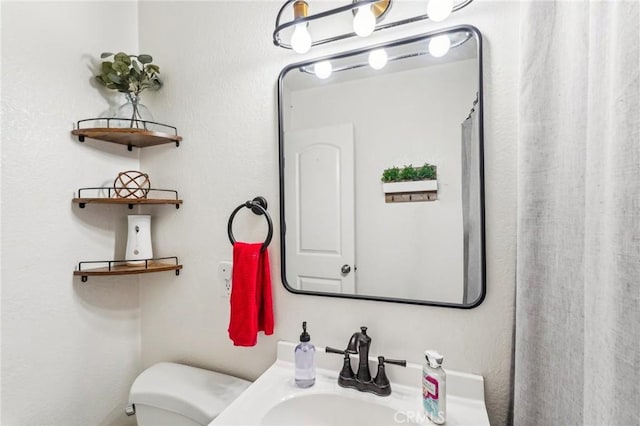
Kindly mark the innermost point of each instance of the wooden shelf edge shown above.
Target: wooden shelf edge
(130, 137)
(126, 201)
(92, 132)
(404, 197)
(129, 269)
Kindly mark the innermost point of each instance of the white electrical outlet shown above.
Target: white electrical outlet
(224, 273)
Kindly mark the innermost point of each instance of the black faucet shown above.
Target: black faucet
(360, 344)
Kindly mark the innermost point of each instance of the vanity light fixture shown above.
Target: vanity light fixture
(323, 70)
(301, 39)
(439, 46)
(296, 34)
(439, 10)
(365, 21)
(378, 59)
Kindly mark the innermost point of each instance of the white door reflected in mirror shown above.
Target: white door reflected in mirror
(319, 186)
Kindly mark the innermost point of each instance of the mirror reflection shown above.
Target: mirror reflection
(381, 174)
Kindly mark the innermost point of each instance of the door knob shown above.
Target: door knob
(345, 269)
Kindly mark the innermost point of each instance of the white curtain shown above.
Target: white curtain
(577, 348)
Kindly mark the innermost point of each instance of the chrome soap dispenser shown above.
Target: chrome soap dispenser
(305, 374)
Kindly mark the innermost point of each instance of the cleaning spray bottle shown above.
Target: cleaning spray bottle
(305, 374)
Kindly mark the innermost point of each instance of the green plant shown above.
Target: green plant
(426, 172)
(409, 173)
(129, 73)
(391, 175)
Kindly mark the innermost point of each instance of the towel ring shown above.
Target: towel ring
(258, 206)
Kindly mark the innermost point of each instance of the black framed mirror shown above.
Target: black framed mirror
(381, 172)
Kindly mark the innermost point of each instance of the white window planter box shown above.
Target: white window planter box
(411, 186)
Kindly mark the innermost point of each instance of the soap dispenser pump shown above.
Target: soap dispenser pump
(305, 368)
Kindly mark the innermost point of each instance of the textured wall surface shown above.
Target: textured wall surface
(220, 69)
(70, 350)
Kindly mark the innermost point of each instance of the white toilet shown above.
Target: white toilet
(170, 394)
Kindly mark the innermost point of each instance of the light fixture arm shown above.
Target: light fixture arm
(349, 7)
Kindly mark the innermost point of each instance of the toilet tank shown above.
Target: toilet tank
(171, 394)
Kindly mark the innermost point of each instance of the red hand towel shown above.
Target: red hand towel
(251, 299)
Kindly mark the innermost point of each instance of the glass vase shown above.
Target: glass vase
(133, 114)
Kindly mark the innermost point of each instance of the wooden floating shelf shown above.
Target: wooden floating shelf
(126, 201)
(125, 269)
(108, 196)
(130, 137)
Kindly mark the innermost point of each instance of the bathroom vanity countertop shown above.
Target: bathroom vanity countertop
(274, 399)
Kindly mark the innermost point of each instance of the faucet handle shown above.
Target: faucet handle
(346, 374)
(382, 381)
(334, 351)
(400, 362)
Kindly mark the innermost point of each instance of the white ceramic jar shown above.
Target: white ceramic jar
(138, 239)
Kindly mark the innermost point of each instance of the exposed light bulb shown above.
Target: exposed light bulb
(439, 46)
(323, 69)
(378, 59)
(439, 10)
(301, 39)
(364, 21)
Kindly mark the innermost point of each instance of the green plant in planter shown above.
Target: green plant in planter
(409, 173)
(426, 172)
(391, 175)
(129, 73)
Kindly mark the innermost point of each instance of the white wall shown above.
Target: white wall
(70, 350)
(220, 70)
(403, 250)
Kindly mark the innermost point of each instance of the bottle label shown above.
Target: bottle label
(431, 396)
(430, 387)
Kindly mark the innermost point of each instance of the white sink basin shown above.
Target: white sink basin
(327, 410)
(274, 400)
